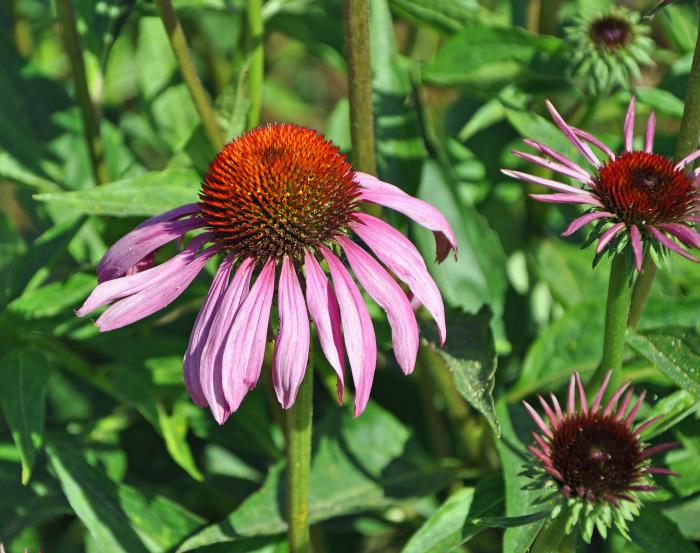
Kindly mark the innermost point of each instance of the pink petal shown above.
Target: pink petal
(402, 258)
(245, 346)
(538, 420)
(569, 133)
(685, 234)
(688, 159)
(323, 308)
(375, 191)
(552, 184)
(291, 353)
(566, 199)
(390, 297)
(358, 332)
(212, 363)
(629, 125)
(587, 137)
(584, 220)
(571, 399)
(636, 240)
(121, 287)
(670, 244)
(581, 394)
(608, 235)
(633, 413)
(202, 325)
(554, 166)
(561, 158)
(601, 392)
(649, 133)
(613, 400)
(155, 297)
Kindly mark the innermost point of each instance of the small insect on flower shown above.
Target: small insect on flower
(640, 200)
(592, 462)
(608, 48)
(276, 204)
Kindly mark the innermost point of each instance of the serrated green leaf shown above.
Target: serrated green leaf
(147, 194)
(24, 376)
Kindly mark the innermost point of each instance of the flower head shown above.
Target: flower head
(593, 458)
(276, 205)
(637, 198)
(608, 48)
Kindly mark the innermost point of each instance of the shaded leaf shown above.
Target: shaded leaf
(444, 15)
(652, 531)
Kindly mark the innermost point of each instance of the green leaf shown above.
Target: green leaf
(119, 517)
(447, 16)
(147, 194)
(673, 409)
(674, 351)
(470, 355)
(481, 54)
(519, 502)
(100, 24)
(653, 532)
(53, 298)
(24, 376)
(173, 427)
(12, 170)
(358, 464)
(661, 101)
(686, 515)
(156, 64)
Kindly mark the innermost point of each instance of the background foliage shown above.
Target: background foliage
(101, 448)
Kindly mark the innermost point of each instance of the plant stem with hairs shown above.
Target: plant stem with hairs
(88, 110)
(189, 73)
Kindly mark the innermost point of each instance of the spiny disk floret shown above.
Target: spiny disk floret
(610, 32)
(597, 456)
(278, 190)
(644, 188)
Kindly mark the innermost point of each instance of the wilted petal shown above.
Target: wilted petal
(637, 249)
(608, 235)
(389, 295)
(375, 191)
(323, 308)
(292, 345)
(358, 332)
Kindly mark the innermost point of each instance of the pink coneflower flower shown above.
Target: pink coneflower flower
(594, 458)
(637, 197)
(276, 204)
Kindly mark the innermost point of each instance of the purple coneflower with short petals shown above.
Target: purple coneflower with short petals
(593, 457)
(637, 197)
(277, 204)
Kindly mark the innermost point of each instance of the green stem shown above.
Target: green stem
(299, 424)
(616, 314)
(189, 73)
(357, 50)
(88, 110)
(686, 142)
(550, 535)
(256, 60)
(549, 16)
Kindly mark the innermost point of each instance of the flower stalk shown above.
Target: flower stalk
(189, 73)
(256, 60)
(686, 142)
(357, 51)
(299, 424)
(88, 110)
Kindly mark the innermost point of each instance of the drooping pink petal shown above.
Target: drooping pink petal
(649, 133)
(561, 158)
(245, 346)
(636, 240)
(549, 183)
(629, 125)
(200, 330)
(566, 199)
(323, 308)
(670, 244)
(139, 243)
(402, 258)
(608, 235)
(554, 166)
(584, 220)
(588, 137)
(684, 233)
(212, 364)
(291, 353)
(358, 332)
(390, 297)
(379, 192)
(687, 160)
(569, 133)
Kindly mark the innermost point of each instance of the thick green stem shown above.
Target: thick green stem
(88, 110)
(357, 51)
(551, 535)
(616, 314)
(686, 142)
(189, 73)
(299, 424)
(256, 60)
